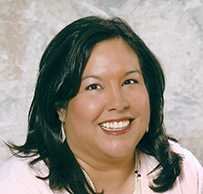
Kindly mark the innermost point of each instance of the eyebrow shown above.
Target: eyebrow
(99, 78)
(91, 76)
(133, 71)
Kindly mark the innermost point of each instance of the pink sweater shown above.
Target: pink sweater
(16, 177)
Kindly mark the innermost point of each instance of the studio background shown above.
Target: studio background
(173, 30)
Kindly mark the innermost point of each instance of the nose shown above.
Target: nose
(116, 100)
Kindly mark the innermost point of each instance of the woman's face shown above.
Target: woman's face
(110, 113)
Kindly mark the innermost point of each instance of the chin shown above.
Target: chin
(120, 151)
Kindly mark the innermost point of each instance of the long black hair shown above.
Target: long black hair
(59, 79)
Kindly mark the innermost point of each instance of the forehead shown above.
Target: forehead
(110, 55)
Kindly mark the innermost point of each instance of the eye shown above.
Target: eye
(93, 87)
(130, 81)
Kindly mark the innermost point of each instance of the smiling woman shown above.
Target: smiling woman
(96, 120)
(114, 113)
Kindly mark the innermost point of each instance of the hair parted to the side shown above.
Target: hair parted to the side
(59, 79)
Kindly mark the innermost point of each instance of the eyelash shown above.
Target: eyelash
(96, 86)
(93, 87)
(130, 81)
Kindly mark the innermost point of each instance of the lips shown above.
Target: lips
(116, 126)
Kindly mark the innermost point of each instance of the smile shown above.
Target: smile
(116, 126)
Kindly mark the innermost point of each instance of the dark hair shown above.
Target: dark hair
(59, 79)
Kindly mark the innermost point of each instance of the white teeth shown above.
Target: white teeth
(115, 126)
(111, 125)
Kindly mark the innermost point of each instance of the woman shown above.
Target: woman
(96, 120)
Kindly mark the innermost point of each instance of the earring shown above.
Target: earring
(62, 134)
(63, 116)
(147, 129)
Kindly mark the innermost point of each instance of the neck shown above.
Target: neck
(113, 175)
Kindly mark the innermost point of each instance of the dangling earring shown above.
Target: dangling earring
(62, 134)
(147, 129)
(63, 116)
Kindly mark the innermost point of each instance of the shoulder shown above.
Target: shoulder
(188, 158)
(192, 171)
(16, 176)
(190, 179)
(12, 167)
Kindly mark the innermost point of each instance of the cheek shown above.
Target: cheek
(85, 108)
(139, 100)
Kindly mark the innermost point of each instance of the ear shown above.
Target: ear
(61, 112)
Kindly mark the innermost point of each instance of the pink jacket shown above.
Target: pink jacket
(16, 177)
